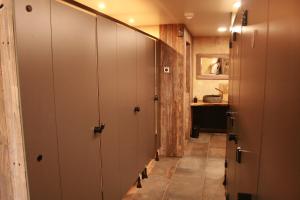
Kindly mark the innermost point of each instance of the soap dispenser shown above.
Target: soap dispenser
(195, 99)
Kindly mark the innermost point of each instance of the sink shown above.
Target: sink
(212, 98)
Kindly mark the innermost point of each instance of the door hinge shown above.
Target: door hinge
(245, 18)
(225, 180)
(230, 44)
(233, 137)
(234, 36)
(244, 196)
(156, 97)
(226, 164)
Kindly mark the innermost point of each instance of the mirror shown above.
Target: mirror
(212, 67)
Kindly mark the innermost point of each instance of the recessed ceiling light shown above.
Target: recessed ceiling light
(131, 20)
(222, 29)
(102, 5)
(189, 15)
(237, 4)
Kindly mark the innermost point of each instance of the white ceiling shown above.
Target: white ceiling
(209, 14)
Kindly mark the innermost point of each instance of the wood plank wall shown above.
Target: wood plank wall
(188, 81)
(13, 181)
(172, 90)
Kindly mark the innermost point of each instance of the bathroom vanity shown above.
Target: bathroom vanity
(208, 117)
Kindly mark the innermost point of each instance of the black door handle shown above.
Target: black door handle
(137, 109)
(99, 129)
(239, 155)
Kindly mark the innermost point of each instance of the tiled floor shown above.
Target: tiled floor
(197, 176)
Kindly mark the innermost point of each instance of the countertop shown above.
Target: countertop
(201, 103)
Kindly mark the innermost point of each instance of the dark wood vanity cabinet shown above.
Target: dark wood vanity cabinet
(208, 118)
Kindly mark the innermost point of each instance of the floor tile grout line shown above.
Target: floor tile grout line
(206, 163)
(170, 181)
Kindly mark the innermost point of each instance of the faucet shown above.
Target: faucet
(222, 93)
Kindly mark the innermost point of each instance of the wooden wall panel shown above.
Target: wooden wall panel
(172, 90)
(188, 81)
(12, 157)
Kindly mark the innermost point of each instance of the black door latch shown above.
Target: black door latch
(137, 109)
(233, 137)
(99, 129)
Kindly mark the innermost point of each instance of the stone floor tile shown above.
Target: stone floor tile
(182, 188)
(203, 138)
(218, 141)
(216, 153)
(198, 175)
(213, 189)
(165, 167)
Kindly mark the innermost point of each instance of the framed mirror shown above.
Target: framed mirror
(215, 67)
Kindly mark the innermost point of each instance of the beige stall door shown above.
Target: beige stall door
(33, 39)
(252, 88)
(76, 99)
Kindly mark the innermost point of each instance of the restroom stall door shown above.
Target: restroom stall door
(145, 96)
(234, 100)
(252, 90)
(33, 42)
(127, 101)
(280, 161)
(109, 103)
(76, 99)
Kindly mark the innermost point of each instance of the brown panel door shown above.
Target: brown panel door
(252, 88)
(109, 103)
(33, 35)
(127, 94)
(76, 99)
(145, 97)
(280, 160)
(234, 100)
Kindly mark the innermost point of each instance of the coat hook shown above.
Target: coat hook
(28, 8)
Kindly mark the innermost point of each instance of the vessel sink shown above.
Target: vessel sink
(212, 98)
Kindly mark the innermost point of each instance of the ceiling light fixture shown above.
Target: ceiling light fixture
(236, 29)
(102, 5)
(222, 29)
(189, 15)
(237, 4)
(131, 20)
